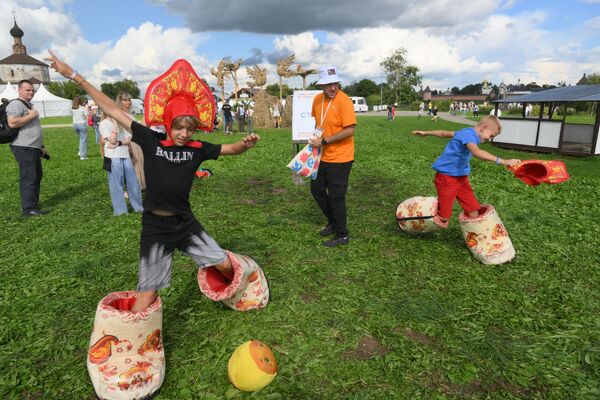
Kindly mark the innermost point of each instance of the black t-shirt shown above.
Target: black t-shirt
(170, 170)
(226, 110)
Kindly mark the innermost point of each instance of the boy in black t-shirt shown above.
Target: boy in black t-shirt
(168, 222)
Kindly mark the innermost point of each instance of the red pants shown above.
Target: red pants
(450, 188)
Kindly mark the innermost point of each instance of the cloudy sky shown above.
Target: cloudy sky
(452, 42)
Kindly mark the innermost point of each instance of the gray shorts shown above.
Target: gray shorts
(161, 236)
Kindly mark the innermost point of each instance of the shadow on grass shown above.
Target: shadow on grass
(68, 193)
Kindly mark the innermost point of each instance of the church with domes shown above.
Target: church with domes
(19, 65)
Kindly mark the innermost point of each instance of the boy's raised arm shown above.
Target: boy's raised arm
(241, 146)
(438, 133)
(103, 101)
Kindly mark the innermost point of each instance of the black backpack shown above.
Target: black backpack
(7, 134)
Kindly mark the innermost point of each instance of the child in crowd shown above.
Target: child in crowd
(168, 222)
(453, 166)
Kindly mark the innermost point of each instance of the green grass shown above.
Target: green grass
(56, 120)
(582, 118)
(435, 323)
(67, 120)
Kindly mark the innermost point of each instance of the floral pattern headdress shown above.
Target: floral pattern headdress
(179, 91)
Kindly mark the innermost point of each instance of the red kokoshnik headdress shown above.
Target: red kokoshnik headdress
(179, 91)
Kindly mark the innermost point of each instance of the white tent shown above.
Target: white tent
(9, 92)
(49, 105)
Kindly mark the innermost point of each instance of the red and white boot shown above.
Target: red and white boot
(248, 290)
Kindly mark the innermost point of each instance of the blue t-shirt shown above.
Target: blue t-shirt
(455, 159)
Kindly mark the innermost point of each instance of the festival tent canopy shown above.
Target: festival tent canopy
(49, 105)
(559, 94)
(9, 92)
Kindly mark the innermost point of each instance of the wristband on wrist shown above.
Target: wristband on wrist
(323, 142)
(497, 160)
(73, 74)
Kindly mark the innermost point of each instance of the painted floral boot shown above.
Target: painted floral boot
(248, 289)
(415, 215)
(486, 236)
(126, 359)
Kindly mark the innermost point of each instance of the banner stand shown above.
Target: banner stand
(303, 124)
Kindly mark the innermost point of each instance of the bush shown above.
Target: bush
(373, 100)
(485, 110)
(570, 111)
(414, 106)
(514, 111)
(442, 105)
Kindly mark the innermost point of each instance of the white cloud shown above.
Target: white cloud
(141, 54)
(593, 23)
(453, 45)
(358, 53)
(41, 27)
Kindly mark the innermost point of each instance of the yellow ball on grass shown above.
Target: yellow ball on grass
(252, 366)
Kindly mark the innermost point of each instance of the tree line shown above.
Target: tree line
(69, 89)
(401, 81)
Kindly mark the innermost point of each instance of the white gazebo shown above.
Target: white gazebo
(9, 92)
(49, 105)
(544, 134)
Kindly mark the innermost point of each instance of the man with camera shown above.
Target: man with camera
(28, 147)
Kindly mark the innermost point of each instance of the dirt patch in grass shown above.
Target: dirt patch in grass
(309, 297)
(368, 347)
(418, 337)
(441, 383)
(278, 191)
(253, 202)
(254, 181)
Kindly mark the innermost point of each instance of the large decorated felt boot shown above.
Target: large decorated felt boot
(126, 359)
(486, 236)
(248, 289)
(415, 215)
(534, 172)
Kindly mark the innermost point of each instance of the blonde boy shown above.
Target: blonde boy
(453, 166)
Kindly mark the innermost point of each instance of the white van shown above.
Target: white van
(137, 106)
(360, 104)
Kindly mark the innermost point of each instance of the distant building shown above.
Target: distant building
(582, 81)
(19, 65)
(486, 88)
(507, 91)
(244, 93)
(428, 96)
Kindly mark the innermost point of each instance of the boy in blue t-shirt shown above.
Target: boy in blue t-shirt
(453, 169)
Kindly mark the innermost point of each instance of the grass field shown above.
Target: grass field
(67, 120)
(389, 316)
(582, 118)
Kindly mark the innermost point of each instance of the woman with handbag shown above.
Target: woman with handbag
(80, 126)
(118, 163)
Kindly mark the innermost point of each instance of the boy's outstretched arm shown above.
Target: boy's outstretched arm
(103, 101)
(486, 156)
(438, 133)
(241, 146)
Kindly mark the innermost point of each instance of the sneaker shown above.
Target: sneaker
(83, 158)
(336, 241)
(34, 212)
(328, 230)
